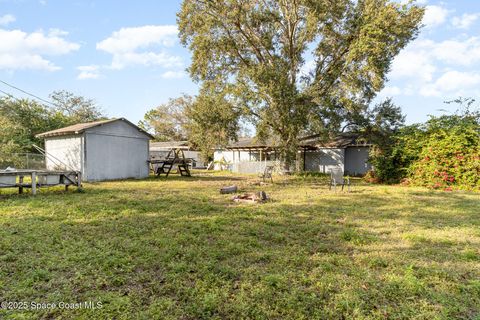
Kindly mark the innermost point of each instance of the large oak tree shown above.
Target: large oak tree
(256, 51)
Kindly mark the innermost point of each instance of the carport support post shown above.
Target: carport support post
(304, 158)
(34, 183)
(20, 185)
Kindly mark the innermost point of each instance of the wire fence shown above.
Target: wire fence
(23, 161)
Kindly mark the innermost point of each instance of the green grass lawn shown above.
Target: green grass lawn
(176, 249)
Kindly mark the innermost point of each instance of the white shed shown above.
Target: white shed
(101, 150)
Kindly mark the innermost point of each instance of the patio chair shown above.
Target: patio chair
(337, 178)
(267, 174)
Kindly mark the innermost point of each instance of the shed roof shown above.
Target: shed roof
(81, 127)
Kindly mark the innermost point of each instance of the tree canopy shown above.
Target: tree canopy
(206, 121)
(257, 53)
(168, 121)
(22, 119)
(75, 108)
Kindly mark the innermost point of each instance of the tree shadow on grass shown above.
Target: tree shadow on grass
(428, 210)
(133, 250)
(178, 250)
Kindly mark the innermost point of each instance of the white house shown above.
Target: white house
(100, 150)
(346, 152)
(160, 150)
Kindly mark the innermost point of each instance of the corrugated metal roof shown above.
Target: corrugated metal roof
(81, 127)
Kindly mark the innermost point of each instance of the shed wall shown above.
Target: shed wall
(115, 150)
(67, 149)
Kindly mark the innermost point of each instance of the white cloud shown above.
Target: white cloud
(130, 39)
(465, 21)
(413, 61)
(434, 16)
(455, 52)
(88, 72)
(452, 83)
(390, 91)
(142, 46)
(173, 74)
(21, 50)
(162, 59)
(7, 19)
(455, 80)
(422, 58)
(439, 69)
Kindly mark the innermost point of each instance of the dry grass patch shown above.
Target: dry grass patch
(176, 249)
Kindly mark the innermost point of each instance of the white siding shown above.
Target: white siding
(242, 156)
(235, 156)
(115, 151)
(220, 155)
(189, 154)
(68, 151)
(324, 159)
(110, 157)
(252, 166)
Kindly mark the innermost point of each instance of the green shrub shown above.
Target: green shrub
(450, 158)
(393, 157)
(443, 153)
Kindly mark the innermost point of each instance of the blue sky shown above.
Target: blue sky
(126, 56)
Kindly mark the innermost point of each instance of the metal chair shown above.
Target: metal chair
(337, 178)
(267, 174)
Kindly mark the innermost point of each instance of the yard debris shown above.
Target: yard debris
(229, 189)
(251, 197)
(258, 183)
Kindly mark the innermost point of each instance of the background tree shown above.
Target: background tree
(213, 121)
(168, 121)
(206, 121)
(75, 109)
(382, 126)
(28, 118)
(22, 119)
(255, 51)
